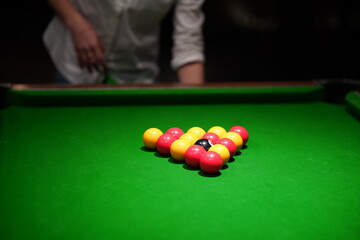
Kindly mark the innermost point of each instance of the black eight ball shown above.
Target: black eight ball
(205, 143)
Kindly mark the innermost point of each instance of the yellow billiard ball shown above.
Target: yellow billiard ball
(192, 138)
(150, 137)
(178, 149)
(198, 131)
(220, 131)
(222, 151)
(236, 138)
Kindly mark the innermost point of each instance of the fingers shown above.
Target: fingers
(99, 55)
(91, 59)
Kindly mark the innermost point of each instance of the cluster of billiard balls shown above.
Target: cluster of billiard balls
(209, 151)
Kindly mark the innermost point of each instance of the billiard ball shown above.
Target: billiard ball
(163, 144)
(222, 151)
(211, 162)
(150, 137)
(220, 131)
(229, 144)
(241, 131)
(236, 138)
(175, 131)
(178, 149)
(205, 143)
(193, 155)
(192, 138)
(198, 131)
(211, 136)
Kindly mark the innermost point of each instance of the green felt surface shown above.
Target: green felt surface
(81, 173)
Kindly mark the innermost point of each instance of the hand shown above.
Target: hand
(88, 46)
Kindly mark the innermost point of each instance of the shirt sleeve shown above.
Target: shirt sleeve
(188, 39)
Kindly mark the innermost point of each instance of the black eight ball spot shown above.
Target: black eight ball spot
(205, 143)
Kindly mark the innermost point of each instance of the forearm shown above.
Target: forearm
(66, 11)
(87, 45)
(192, 73)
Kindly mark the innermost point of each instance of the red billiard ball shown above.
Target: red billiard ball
(229, 144)
(211, 162)
(163, 144)
(175, 131)
(193, 155)
(242, 132)
(211, 136)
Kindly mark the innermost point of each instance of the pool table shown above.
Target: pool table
(73, 164)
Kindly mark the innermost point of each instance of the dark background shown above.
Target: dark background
(245, 40)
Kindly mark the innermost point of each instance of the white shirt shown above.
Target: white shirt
(129, 30)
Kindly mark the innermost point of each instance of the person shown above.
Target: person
(89, 40)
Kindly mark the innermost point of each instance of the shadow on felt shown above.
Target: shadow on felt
(201, 173)
(173, 161)
(145, 149)
(190, 168)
